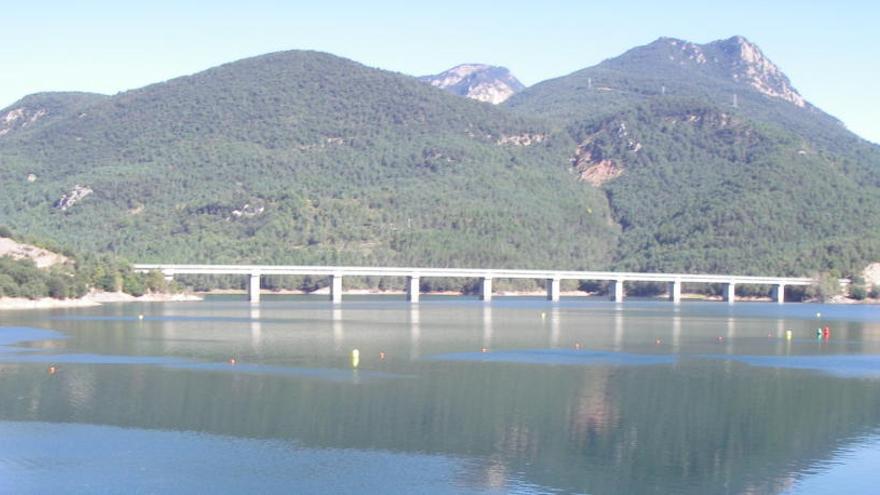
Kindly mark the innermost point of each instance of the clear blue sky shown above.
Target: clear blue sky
(828, 49)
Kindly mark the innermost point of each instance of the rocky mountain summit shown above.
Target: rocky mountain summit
(744, 62)
(477, 81)
(735, 60)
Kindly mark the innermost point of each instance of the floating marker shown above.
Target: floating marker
(658, 342)
(577, 345)
(52, 370)
(381, 355)
(543, 316)
(818, 315)
(140, 317)
(483, 349)
(355, 358)
(788, 335)
(232, 361)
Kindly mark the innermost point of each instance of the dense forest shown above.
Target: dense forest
(307, 158)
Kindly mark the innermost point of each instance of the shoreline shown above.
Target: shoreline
(95, 299)
(90, 300)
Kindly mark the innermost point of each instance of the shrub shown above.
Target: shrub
(826, 287)
(133, 284)
(858, 292)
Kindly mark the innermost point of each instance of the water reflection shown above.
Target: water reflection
(487, 326)
(731, 335)
(415, 332)
(256, 330)
(676, 332)
(338, 334)
(700, 426)
(618, 331)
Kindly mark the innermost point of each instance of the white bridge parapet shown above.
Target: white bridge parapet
(486, 276)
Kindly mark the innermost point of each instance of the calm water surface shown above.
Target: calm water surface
(448, 396)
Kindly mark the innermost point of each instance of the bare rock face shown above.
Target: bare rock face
(477, 81)
(19, 118)
(872, 275)
(740, 60)
(524, 139)
(747, 63)
(42, 258)
(75, 195)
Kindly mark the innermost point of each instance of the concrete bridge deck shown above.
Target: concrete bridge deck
(413, 276)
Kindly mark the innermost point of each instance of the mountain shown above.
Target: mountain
(672, 156)
(477, 81)
(712, 161)
(303, 157)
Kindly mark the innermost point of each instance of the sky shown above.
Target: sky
(828, 49)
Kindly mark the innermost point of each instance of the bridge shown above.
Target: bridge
(413, 277)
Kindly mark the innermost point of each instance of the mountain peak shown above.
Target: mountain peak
(480, 82)
(735, 59)
(746, 63)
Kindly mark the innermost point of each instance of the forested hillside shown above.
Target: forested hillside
(303, 157)
(673, 156)
(711, 161)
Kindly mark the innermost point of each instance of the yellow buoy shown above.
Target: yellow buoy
(788, 335)
(355, 358)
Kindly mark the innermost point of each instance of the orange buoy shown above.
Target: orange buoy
(483, 349)
(577, 345)
(52, 370)
(232, 361)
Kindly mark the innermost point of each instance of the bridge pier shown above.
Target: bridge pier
(730, 292)
(254, 288)
(486, 289)
(674, 289)
(336, 289)
(412, 289)
(778, 293)
(615, 290)
(553, 289)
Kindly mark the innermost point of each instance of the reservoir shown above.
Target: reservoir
(450, 395)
